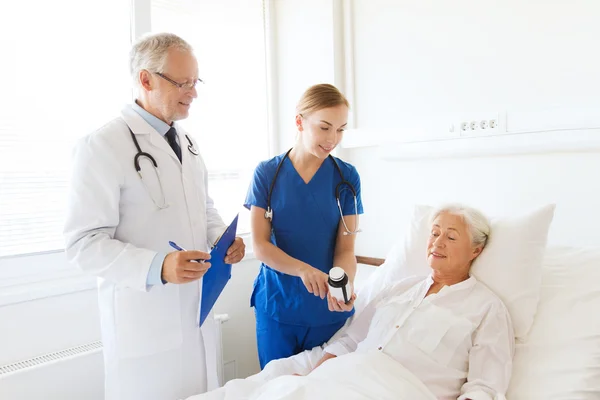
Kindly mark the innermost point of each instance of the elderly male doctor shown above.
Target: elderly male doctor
(120, 221)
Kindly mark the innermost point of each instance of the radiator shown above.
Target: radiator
(74, 373)
(220, 319)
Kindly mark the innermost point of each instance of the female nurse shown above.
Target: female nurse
(304, 208)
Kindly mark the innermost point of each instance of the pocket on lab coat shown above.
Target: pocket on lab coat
(147, 322)
(439, 333)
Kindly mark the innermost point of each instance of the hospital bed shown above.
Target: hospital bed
(558, 359)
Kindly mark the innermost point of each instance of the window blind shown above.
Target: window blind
(63, 74)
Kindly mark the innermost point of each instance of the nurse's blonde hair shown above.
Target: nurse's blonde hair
(320, 96)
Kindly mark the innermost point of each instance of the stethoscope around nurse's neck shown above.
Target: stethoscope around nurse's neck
(338, 191)
(136, 164)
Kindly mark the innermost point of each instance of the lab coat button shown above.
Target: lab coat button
(397, 326)
(379, 348)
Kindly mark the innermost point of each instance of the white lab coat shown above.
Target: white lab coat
(153, 348)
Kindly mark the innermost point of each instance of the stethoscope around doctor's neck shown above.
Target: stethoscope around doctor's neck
(136, 164)
(338, 191)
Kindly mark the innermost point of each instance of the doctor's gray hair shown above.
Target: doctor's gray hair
(478, 223)
(150, 53)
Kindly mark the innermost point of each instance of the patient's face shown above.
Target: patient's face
(449, 247)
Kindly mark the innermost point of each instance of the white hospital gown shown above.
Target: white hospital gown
(459, 342)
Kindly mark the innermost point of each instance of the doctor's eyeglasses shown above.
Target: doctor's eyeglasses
(183, 86)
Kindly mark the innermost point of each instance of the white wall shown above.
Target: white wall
(303, 56)
(426, 58)
(415, 58)
(42, 326)
(46, 325)
(79, 378)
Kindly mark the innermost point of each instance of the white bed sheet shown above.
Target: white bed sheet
(355, 376)
(561, 357)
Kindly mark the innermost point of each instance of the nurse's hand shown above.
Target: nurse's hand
(314, 280)
(339, 305)
(182, 267)
(236, 251)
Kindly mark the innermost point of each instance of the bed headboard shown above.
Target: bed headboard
(374, 261)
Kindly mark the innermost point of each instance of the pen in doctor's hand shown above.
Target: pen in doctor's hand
(177, 247)
(184, 266)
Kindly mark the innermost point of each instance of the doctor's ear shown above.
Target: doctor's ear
(299, 122)
(145, 80)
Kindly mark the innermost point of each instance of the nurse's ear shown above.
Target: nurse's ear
(299, 122)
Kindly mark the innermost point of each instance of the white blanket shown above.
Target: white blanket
(354, 376)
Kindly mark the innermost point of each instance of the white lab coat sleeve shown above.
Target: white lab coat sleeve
(490, 358)
(93, 215)
(215, 225)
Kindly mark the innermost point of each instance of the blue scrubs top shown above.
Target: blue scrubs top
(305, 223)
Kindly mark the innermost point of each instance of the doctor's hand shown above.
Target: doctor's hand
(181, 267)
(339, 305)
(236, 251)
(314, 280)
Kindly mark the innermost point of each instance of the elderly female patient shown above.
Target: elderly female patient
(449, 330)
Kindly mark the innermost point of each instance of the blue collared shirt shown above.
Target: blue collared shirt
(158, 124)
(155, 272)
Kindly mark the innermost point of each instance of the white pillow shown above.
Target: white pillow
(561, 357)
(510, 264)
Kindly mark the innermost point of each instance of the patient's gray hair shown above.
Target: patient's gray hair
(150, 53)
(478, 223)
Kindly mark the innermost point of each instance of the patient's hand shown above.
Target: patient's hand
(326, 356)
(338, 305)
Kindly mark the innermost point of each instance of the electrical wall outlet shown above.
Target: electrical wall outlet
(481, 124)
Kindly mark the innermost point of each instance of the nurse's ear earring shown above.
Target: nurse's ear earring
(299, 118)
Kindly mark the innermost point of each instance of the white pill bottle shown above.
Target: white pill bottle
(339, 285)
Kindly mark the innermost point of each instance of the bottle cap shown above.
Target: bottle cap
(336, 274)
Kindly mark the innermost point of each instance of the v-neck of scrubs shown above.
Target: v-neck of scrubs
(312, 178)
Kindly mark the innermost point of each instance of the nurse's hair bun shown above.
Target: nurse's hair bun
(318, 97)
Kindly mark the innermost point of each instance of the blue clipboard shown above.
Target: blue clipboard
(219, 273)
